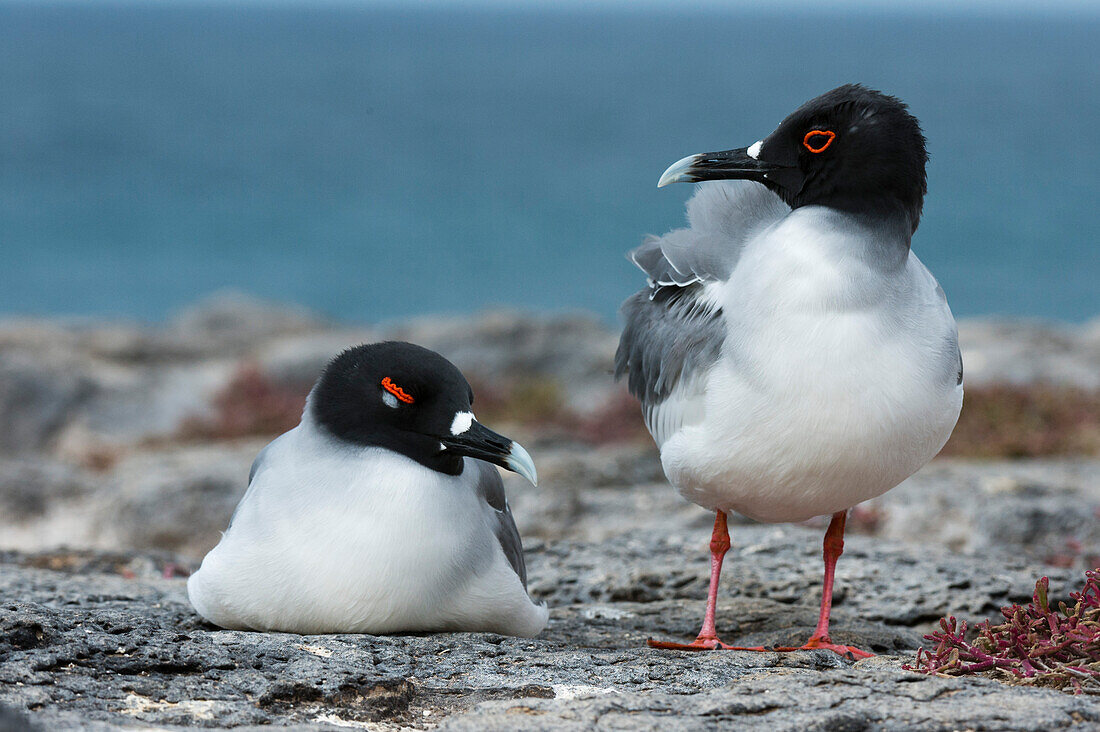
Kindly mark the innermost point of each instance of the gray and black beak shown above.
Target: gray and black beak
(480, 442)
(743, 163)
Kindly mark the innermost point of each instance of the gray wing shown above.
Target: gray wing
(722, 215)
(668, 332)
(671, 330)
(257, 464)
(491, 488)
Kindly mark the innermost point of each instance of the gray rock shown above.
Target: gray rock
(997, 350)
(179, 499)
(37, 397)
(30, 487)
(617, 553)
(54, 397)
(1044, 510)
(13, 721)
(298, 360)
(573, 351)
(233, 322)
(84, 386)
(88, 386)
(867, 697)
(86, 646)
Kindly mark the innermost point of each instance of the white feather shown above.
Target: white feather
(462, 422)
(837, 378)
(332, 538)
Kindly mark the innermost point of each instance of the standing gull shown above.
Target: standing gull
(379, 513)
(793, 357)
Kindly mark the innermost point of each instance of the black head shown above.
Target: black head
(852, 148)
(410, 400)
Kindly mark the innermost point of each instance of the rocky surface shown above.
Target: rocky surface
(1022, 352)
(95, 638)
(102, 641)
(125, 448)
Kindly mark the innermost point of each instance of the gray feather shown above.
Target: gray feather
(669, 330)
(722, 216)
(665, 336)
(491, 488)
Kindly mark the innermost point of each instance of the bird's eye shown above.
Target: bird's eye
(395, 393)
(817, 141)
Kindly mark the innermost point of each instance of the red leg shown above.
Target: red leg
(833, 548)
(708, 636)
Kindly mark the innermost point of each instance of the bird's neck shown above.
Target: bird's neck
(881, 209)
(880, 239)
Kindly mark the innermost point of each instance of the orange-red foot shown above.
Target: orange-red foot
(813, 644)
(699, 644)
(713, 644)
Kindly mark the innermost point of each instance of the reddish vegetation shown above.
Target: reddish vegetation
(1036, 644)
(252, 404)
(1073, 554)
(1038, 420)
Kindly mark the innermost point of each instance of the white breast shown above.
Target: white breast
(837, 379)
(331, 538)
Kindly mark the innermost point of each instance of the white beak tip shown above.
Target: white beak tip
(678, 171)
(519, 461)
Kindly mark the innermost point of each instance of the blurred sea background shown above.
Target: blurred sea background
(373, 162)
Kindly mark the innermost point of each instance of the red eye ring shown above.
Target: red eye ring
(397, 391)
(813, 133)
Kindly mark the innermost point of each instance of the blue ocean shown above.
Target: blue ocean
(373, 162)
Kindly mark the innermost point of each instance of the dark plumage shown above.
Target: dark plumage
(876, 163)
(347, 403)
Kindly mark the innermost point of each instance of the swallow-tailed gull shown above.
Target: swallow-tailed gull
(382, 512)
(792, 355)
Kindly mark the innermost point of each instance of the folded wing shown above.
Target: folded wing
(674, 328)
(491, 488)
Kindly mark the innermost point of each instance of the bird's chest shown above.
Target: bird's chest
(829, 391)
(812, 320)
(385, 523)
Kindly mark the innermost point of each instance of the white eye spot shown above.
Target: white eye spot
(754, 149)
(462, 422)
(389, 400)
